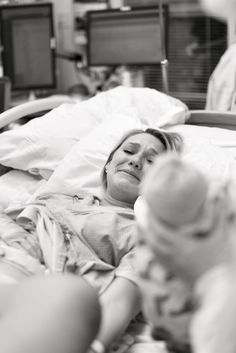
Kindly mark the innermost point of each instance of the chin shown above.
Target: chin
(125, 189)
(129, 185)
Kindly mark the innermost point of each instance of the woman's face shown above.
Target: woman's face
(129, 164)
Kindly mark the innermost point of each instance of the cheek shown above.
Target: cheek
(114, 164)
(117, 157)
(146, 167)
(145, 170)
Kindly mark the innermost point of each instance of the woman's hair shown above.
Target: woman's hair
(171, 141)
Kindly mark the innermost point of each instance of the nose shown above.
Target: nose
(135, 162)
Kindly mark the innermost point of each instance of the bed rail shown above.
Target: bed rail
(32, 107)
(225, 120)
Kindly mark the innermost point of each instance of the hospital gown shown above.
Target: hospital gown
(60, 233)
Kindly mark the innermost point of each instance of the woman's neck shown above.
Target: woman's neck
(108, 200)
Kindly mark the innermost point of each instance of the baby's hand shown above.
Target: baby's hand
(179, 300)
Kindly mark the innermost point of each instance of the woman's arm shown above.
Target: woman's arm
(120, 303)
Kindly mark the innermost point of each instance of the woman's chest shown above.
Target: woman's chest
(110, 235)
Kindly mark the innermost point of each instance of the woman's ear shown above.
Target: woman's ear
(107, 167)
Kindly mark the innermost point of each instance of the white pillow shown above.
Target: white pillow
(41, 144)
(82, 166)
(152, 107)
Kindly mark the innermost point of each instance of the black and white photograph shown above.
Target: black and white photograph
(117, 176)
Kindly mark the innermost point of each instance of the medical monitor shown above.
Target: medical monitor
(134, 37)
(28, 45)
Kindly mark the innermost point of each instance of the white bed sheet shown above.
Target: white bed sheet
(209, 148)
(223, 138)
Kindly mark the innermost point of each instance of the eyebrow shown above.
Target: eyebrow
(152, 150)
(133, 144)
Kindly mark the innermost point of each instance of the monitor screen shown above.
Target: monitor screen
(28, 56)
(117, 37)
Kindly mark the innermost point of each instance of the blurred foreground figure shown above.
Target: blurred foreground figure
(52, 314)
(187, 227)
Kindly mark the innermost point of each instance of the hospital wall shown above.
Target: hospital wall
(196, 43)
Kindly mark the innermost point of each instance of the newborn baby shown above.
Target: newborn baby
(186, 224)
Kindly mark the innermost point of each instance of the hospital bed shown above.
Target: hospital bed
(224, 120)
(67, 147)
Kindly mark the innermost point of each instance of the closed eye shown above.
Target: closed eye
(128, 151)
(151, 159)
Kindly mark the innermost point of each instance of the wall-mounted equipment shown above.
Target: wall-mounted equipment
(28, 45)
(127, 36)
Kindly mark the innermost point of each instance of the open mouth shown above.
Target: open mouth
(133, 175)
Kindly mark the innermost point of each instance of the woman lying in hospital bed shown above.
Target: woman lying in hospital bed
(88, 236)
(38, 149)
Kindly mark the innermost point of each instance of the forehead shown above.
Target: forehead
(145, 141)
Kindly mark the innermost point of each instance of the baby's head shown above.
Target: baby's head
(183, 225)
(182, 218)
(174, 190)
